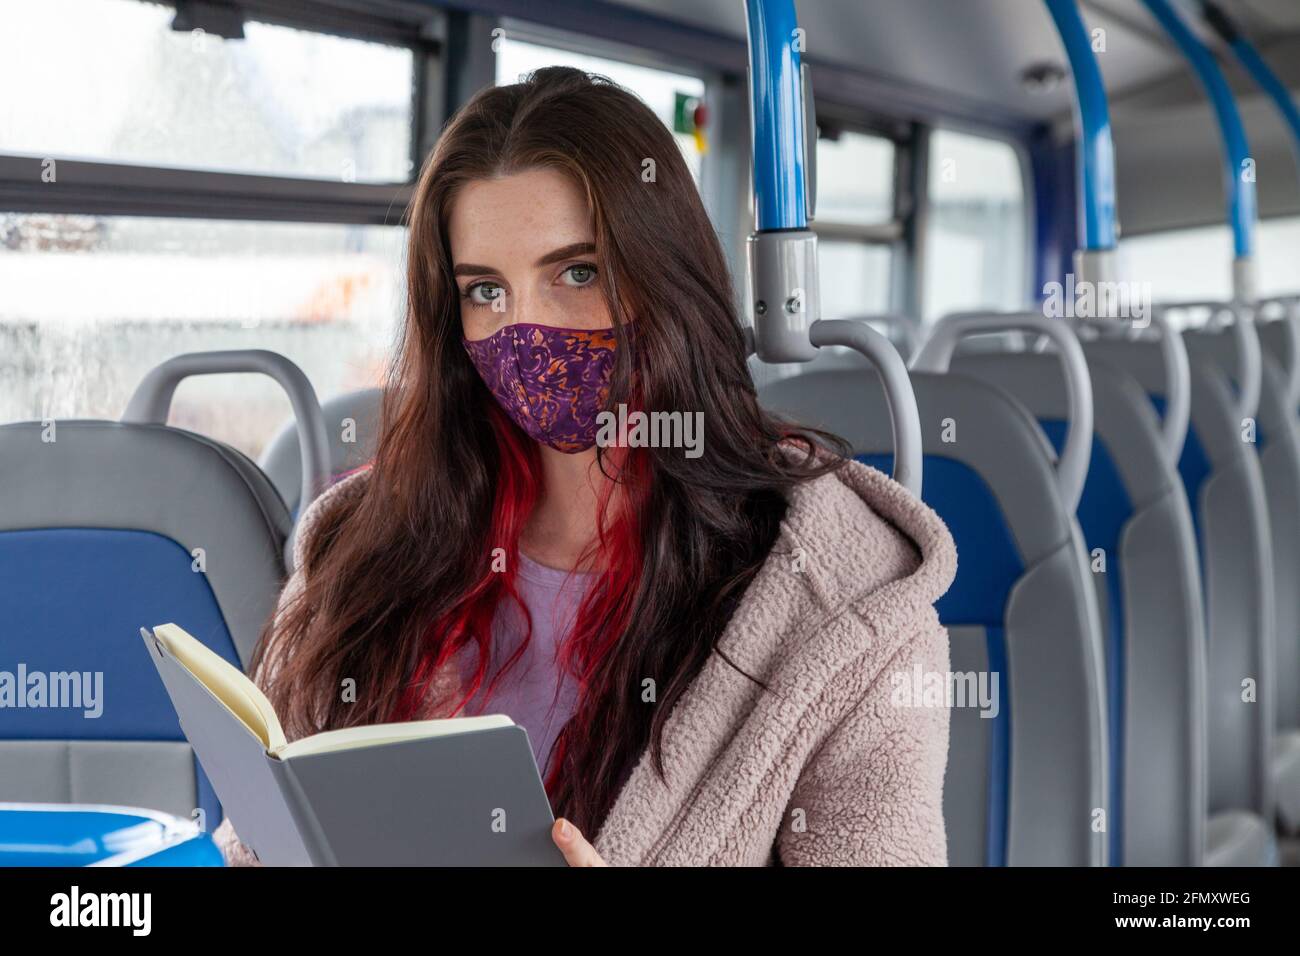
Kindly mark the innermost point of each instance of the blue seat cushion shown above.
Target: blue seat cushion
(988, 566)
(74, 600)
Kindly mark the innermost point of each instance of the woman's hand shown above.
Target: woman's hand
(577, 851)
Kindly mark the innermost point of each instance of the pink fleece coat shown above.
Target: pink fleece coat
(830, 766)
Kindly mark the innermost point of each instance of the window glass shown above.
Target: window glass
(1191, 264)
(854, 278)
(109, 80)
(92, 303)
(664, 92)
(855, 179)
(975, 255)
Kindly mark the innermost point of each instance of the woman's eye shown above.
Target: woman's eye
(580, 275)
(484, 293)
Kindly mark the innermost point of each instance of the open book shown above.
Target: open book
(463, 791)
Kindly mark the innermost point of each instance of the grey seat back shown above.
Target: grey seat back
(1225, 489)
(352, 425)
(1279, 336)
(1025, 784)
(1277, 442)
(1280, 339)
(1138, 530)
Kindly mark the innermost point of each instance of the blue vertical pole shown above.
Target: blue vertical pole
(1239, 179)
(1095, 149)
(777, 114)
(782, 250)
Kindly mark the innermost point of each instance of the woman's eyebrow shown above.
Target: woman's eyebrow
(565, 252)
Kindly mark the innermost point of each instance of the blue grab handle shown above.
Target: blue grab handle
(1254, 64)
(1236, 148)
(777, 116)
(1258, 69)
(1095, 150)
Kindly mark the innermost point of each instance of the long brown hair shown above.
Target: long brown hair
(399, 577)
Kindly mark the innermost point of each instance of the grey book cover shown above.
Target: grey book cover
(464, 799)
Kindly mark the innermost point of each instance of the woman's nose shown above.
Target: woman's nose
(534, 308)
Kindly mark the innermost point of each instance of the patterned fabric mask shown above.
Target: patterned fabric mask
(552, 382)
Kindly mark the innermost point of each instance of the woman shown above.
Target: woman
(699, 639)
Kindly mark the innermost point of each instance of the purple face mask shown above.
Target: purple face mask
(552, 382)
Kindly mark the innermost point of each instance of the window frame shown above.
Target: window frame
(558, 38)
(86, 187)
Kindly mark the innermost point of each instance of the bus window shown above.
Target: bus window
(278, 102)
(186, 129)
(855, 211)
(1190, 264)
(93, 302)
(976, 254)
(665, 92)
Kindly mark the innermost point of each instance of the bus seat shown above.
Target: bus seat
(1022, 786)
(1277, 442)
(1225, 491)
(1134, 509)
(1238, 838)
(350, 447)
(106, 527)
(1279, 336)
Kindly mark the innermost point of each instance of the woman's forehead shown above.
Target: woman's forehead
(517, 219)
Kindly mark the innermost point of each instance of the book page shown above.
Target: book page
(228, 684)
(377, 734)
